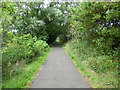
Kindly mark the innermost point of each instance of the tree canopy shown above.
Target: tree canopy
(92, 28)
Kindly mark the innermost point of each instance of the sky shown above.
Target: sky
(46, 2)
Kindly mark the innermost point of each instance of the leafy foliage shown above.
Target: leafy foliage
(94, 35)
(91, 27)
(23, 48)
(44, 23)
(97, 28)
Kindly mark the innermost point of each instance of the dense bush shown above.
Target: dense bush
(93, 58)
(21, 49)
(40, 47)
(98, 24)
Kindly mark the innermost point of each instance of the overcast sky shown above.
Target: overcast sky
(46, 2)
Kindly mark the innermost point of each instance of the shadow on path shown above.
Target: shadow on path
(57, 45)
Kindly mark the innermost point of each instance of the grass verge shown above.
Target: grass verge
(95, 80)
(24, 79)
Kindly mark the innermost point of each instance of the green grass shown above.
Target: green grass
(96, 80)
(24, 79)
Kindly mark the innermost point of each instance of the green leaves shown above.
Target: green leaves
(99, 22)
(94, 33)
(40, 47)
(21, 48)
(96, 17)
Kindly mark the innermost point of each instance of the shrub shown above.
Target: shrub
(40, 47)
(21, 49)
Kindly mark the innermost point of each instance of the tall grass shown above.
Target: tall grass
(101, 71)
(24, 77)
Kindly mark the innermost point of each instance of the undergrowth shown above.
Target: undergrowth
(24, 77)
(101, 71)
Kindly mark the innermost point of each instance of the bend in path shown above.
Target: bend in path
(59, 72)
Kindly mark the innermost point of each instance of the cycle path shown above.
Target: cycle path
(59, 72)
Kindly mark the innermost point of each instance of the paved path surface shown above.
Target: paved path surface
(59, 72)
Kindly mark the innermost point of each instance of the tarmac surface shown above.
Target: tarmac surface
(59, 72)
